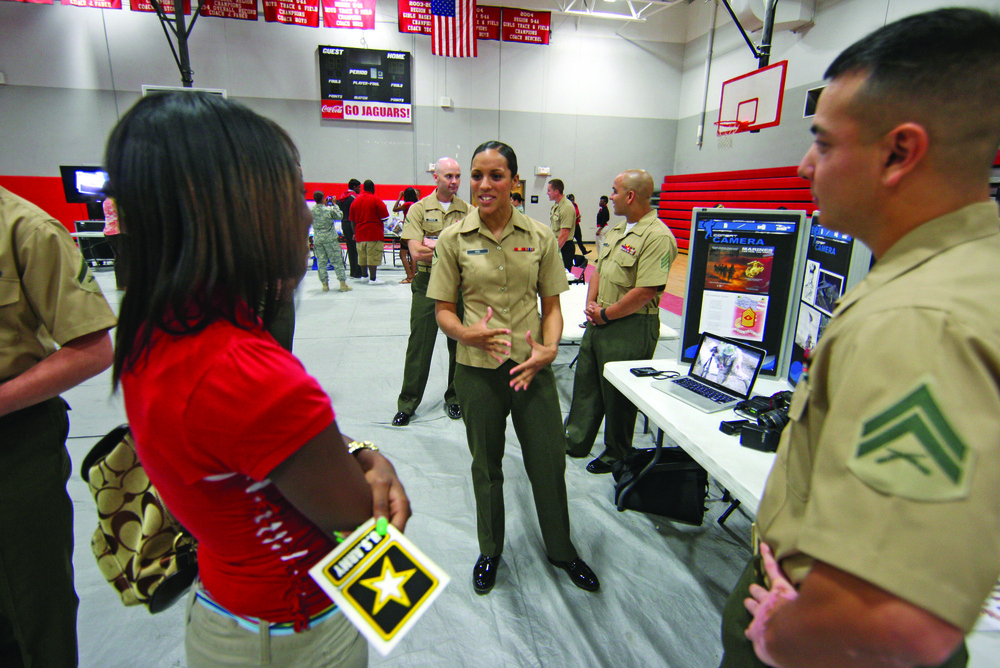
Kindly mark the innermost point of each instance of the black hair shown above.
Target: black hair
(517, 196)
(941, 68)
(209, 198)
(411, 194)
(503, 149)
(318, 196)
(353, 184)
(604, 198)
(369, 186)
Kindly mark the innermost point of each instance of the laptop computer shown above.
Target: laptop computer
(721, 376)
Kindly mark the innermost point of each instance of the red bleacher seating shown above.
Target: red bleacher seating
(745, 189)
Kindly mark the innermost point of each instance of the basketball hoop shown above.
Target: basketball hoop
(726, 131)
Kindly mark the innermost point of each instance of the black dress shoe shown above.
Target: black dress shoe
(598, 466)
(454, 411)
(484, 575)
(401, 419)
(579, 573)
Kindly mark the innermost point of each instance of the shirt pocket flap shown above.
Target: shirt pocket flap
(10, 291)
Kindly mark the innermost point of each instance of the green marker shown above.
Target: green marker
(382, 526)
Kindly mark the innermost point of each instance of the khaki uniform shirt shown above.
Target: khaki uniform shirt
(427, 218)
(639, 258)
(48, 296)
(509, 276)
(890, 466)
(562, 216)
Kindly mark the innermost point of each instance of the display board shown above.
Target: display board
(834, 264)
(742, 267)
(364, 85)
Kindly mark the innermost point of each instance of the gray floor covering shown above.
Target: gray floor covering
(662, 584)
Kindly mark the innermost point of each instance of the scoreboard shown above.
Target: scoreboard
(364, 84)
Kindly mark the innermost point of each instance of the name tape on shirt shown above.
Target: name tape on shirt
(383, 584)
(478, 251)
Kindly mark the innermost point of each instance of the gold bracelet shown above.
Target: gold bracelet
(354, 446)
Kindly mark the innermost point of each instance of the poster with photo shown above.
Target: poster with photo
(809, 282)
(810, 327)
(829, 288)
(739, 268)
(738, 316)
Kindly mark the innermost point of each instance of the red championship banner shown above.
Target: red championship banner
(245, 10)
(36, 2)
(415, 16)
(521, 25)
(358, 14)
(147, 6)
(385, 112)
(488, 22)
(95, 4)
(304, 13)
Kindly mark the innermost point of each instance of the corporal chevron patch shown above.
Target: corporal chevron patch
(910, 450)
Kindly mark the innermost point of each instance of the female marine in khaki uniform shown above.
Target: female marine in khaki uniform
(500, 262)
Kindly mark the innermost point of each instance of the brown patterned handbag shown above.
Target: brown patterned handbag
(141, 549)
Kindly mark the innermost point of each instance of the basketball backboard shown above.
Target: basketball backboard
(753, 100)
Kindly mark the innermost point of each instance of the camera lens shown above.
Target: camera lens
(776, 419)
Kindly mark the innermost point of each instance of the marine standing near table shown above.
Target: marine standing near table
(623, 319)
(499, 262)
(878, 523)
(49, 299)
(562, 220)
(424, 223)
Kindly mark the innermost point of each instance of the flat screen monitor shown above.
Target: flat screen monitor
(83, 184)
(742, 266)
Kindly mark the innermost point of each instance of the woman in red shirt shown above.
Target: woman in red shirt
(239, 440)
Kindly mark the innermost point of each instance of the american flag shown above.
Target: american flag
(454, 28)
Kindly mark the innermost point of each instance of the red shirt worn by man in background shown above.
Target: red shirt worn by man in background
(367, 213)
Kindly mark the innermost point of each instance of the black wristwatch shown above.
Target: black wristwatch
(604, 316)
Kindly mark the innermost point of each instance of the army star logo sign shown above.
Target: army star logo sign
(383, 584)
(910, 450)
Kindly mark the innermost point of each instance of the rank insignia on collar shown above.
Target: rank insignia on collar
(524, 249)
(628, 248)
(911, 451)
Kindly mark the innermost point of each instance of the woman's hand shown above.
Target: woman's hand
(541, 357)
(480, 336)
(388, 496)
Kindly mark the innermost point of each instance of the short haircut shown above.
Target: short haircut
(353, 184)
(503, 149)
(940, 69)
(369, 186)
(571, 197)
(558, 185)
(318, 196)
(604, 199)
(209, 198)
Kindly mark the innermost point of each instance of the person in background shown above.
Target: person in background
(518, 201)
(561, 219)
(500, 263)
(603, 216)
(113, 236)
(577, 231)
(623, 320)
(878, 525)
(54, 326)
(326, 245)
(406, 199)
(344, 203)
(424, 223)
(369, 213)
(238, 439)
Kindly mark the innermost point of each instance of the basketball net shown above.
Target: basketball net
(727, 130)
